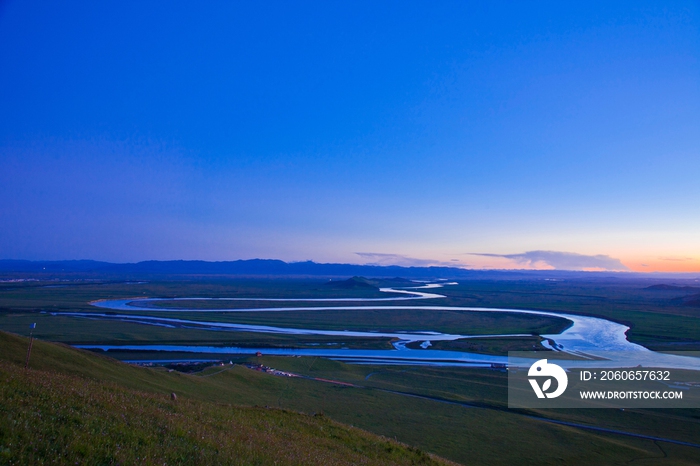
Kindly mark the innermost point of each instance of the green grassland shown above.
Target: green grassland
(82, 409)
(78, 406)
(474, 323)
(495, 345)
(73, 293)
(24, 303)
(487, 389)
(414, 405)
(659, 319)
(75, 330)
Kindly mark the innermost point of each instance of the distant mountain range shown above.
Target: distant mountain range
(253, 267)
(272, 267)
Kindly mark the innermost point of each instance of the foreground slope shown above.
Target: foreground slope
(50, 414)
(381, 400)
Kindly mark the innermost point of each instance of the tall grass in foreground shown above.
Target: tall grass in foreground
(52, 418)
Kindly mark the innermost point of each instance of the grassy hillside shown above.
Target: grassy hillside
(75, 407)
(36, 404)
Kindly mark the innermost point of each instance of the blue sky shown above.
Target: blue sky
(521, 134)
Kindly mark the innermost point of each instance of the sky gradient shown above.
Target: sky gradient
(474, 134)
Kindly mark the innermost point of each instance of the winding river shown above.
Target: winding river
(586, 337)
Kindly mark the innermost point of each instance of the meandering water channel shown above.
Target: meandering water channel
(588, 337)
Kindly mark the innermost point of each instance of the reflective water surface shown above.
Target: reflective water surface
(586, 336)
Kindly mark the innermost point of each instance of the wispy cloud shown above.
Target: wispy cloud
(562, 260)
(378, 258)
(676, 259)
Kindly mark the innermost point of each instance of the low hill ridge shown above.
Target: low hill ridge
(74, 407)
(352, 283)
(672, 287)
